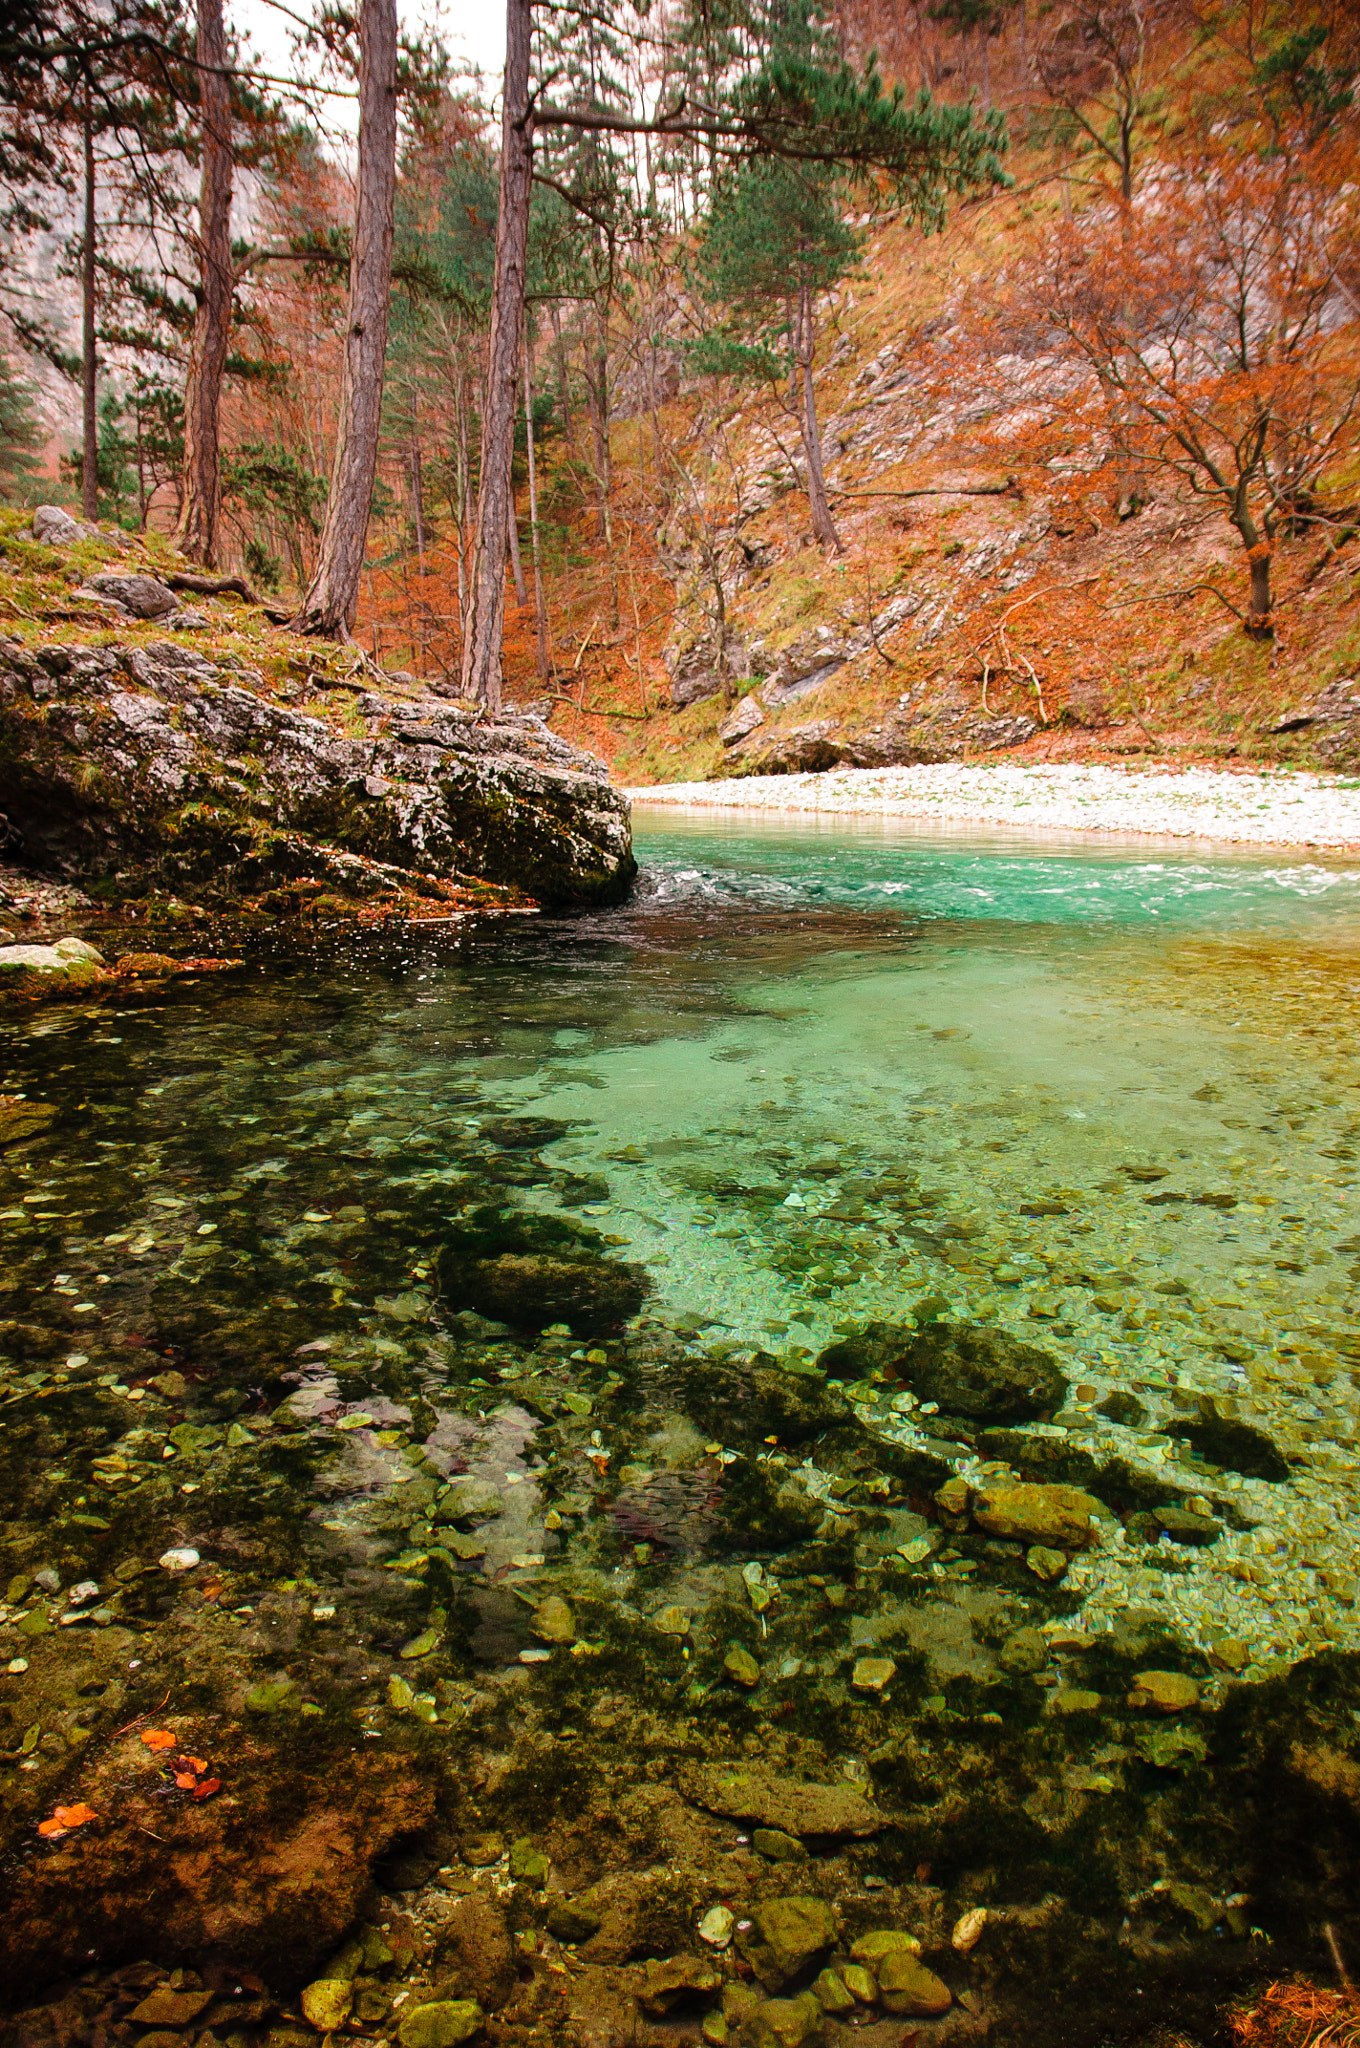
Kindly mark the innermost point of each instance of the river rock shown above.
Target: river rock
(573, 1923)
(831, 1993)
(442, 2024)
(776, 1846)
(1055, 1516)
(873, 1674)
(787, 2022)
(166, 2008)
(1180, 1524)
(133, 767)
(470, 1499)
(554, 1621)
(742, 1666)
(665, 1984)
(716, 1926)
(1167, 1692)
(531, 1290)
(785, 1936)
(1024, 1653)
(873, 1948)
(905, 1985)
(70, 964)
(326, 2004)
(968, 1369)
(771, 1801)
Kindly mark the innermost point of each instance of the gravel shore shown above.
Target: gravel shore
(1272, 808)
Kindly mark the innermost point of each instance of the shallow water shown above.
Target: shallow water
(1105, 1100)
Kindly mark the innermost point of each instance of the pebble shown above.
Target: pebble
(968, 1930)
(1169, 1692)
(742, 1666)
(717, 1926)
(178, 1560)
(873, 1674)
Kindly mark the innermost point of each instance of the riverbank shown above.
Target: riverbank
(1275, 808)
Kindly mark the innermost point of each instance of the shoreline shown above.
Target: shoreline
(1246, 807)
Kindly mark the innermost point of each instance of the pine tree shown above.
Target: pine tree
(21, 437)
(774, 242)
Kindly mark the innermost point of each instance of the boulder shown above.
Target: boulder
(55, 528)
(967, 1369)
(741, 722)
(144, 596)
(132, 766)
(68, 964)
(774, 1802)
(1056, 1517)
(529, 1290)
(785, 1936)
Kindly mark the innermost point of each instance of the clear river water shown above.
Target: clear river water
(1103, 1100)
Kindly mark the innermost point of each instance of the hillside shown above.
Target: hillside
(990, 601)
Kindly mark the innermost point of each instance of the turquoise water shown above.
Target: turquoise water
(1106, 1099)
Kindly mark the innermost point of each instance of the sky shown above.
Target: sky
(473, 30)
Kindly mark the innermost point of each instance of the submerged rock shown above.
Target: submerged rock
(1056, 1516)
(155, 762)
(967, 1369)
(785, 1936)
(531, 1271)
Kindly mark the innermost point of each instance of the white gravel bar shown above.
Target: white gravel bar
(1280, 807)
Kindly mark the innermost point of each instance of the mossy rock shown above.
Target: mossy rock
(967, 1369)
(530, 1271)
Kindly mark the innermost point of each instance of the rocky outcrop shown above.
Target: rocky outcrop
(155, 762)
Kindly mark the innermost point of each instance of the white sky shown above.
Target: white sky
(473, 30)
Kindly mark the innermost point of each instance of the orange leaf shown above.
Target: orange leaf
(64, 1819)
(206, 1789)
(158, 1738)
(185, 1780)
(199, 1764)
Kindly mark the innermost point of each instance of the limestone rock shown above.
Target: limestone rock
(146, 597)
(716, 1926)
(860, 1982)
(530, 1290)
(1056, 1516)
(1167, 1692)
(442, 2024)
(132, 765)
(968, 1929)
(69, 963)
(742, 721)
(1048, 1565)
(471, 1499)
(785, 1936)
(55, 528)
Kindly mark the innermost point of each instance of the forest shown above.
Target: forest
(737, 345)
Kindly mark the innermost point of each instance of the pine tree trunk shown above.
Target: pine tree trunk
(418, 501)
(540, 608)
(563, 380)
(482, 647)
(516, 559)
(823, 526)
(328, 608)
(89, 459)
(464, 472)
(196, 534)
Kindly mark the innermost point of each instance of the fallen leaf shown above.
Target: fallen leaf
(185, 1780)
(197, 1764)
(158, 1738)
(206, 1788)
(64, 1819)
